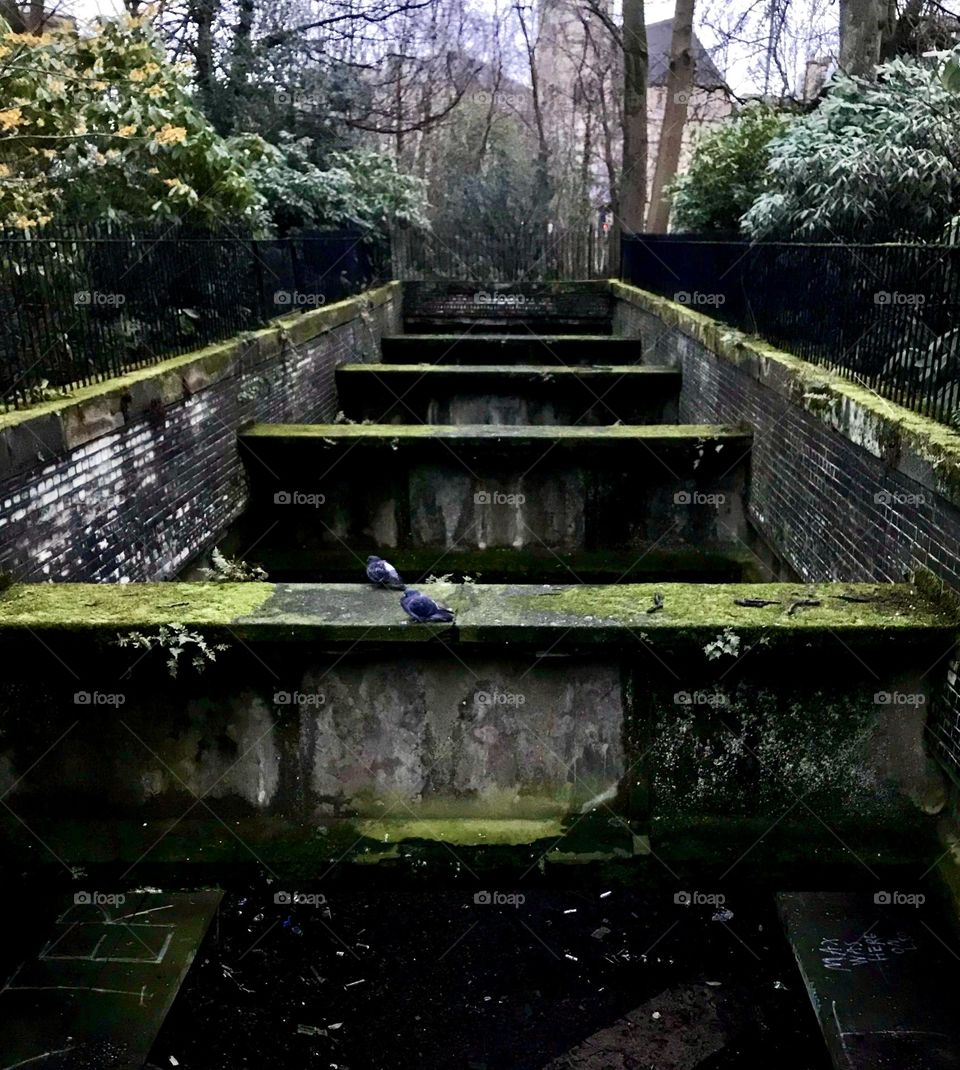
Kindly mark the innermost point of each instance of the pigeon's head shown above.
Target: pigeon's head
(372, 558)
(410, 593)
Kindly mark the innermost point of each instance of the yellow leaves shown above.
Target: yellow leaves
(81, 125)
(171, 135)
(49, 154)
(137, 75)
(31, 40)
(55, 85)
(127, 131)
(11, 118)
(4, 171)
(23, 222)
(4, 51)
(156, 92)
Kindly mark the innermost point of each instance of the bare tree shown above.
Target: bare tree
(633, 175)
(861, 32)
(679, 87)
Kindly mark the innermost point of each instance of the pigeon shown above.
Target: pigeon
(423, 609)
(383, 574)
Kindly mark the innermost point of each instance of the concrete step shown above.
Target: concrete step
(881, 972)
(97, 990)
(568, 489)
(520, 323)
(323, 709)
(508, 394)
(525, 347)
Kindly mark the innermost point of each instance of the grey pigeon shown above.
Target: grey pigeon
(383, 574)
(423, 609)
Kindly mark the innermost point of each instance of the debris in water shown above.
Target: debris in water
(655, 1016)
(599, 934)
(723, 914)
(572, 910)
(603, 895)
(350, 984)
(573, 958)
(714, 984)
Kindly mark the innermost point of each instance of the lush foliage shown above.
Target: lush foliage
(727, 172)
(876, 161)
(103, 126)
(355, 188)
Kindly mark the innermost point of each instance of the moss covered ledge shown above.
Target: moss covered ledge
(920, 448)
(53, 428)
(494, 613)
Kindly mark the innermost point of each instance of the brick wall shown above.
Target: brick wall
(137, 475)
(832, 509)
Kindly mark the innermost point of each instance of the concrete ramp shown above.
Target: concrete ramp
(881, 972)
(98, 989)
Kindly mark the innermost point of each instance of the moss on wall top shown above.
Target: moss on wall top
(389, 432)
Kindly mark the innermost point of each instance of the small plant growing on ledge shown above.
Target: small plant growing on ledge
(727, 643)
(229, 570)
(175, 640)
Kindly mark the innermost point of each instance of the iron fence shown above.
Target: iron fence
(81, 305)
(886, 316)
(514, 253)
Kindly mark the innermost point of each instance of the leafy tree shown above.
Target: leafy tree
(103, 127)
(357, 188)
(727, 172)
(876, 161)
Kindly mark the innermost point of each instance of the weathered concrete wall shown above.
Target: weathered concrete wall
(326, 707)
(128, 479)
(844, 484)
(573, 488)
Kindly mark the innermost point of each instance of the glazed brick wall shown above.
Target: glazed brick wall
(829, 508)
(139, 502)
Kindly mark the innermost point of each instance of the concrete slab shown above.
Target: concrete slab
(508, 394)
(523, 347)
(881, 975)
(98, 989)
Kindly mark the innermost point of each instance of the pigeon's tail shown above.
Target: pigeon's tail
(395, 585)
(442, 614)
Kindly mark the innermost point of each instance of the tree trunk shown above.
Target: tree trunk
(679, 87)
(861, 24)
(633, 174)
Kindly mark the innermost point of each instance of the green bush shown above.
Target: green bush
(727, 173)
(876, 161)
